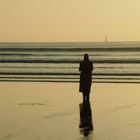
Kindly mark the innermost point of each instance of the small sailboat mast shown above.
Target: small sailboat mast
(106, 39)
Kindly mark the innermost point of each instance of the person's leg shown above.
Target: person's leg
(84, 97)
(88, 91)
(87, 97)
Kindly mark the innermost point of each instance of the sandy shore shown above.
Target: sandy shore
(50, 111)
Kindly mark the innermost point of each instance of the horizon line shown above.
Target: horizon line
(66, 41)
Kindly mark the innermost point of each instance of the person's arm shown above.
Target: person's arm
(80, 68)
(91, 66)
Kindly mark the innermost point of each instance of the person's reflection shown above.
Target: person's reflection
(86, 126)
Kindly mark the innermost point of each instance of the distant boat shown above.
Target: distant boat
(106, 39)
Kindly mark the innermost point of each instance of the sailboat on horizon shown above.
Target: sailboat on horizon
(106, 39)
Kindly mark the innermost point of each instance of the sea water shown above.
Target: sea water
(59, 62)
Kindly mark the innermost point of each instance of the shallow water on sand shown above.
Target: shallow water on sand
(40, 111)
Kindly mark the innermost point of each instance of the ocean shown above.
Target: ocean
(113, 62)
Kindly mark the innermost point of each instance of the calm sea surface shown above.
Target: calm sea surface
(59, 62)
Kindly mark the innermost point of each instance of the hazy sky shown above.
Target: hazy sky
(69, 20)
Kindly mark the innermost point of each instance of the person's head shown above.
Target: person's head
(86, 57)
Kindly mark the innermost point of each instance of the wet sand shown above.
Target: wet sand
(50, 111)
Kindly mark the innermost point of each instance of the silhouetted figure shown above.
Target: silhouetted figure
(86, 126)
(86, 68)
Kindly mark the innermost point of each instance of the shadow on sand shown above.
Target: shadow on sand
(86, 125)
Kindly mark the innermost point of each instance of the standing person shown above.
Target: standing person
(86, 68)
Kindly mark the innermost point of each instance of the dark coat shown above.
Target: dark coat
(86, 68)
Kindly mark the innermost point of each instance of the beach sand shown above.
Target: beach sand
(50, 111)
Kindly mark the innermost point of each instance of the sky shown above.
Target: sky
(69, 20)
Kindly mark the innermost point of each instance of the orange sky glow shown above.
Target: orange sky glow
(69, 20)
